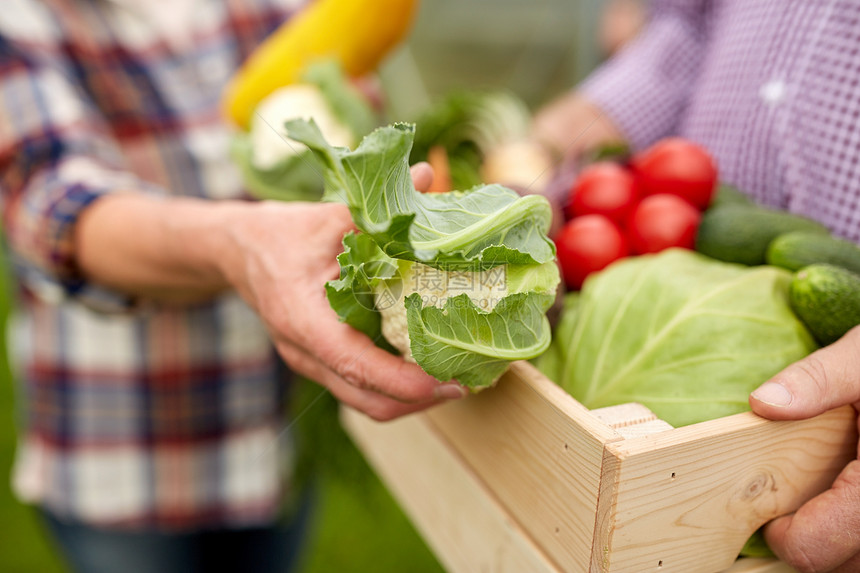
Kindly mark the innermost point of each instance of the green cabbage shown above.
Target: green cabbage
(463, 279)
(687, 336)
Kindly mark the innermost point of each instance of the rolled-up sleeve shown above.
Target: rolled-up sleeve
(57, 156)
(645, 88)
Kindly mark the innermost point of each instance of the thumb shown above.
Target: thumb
(826, 379)
(422, 175)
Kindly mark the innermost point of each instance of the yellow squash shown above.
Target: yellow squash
(358, 33)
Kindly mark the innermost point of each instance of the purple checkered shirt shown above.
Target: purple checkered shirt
(147, 417)
(770, 87)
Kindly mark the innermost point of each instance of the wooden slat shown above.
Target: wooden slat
(687, 499)
(631, 420)
(539, 452)
(457, 516)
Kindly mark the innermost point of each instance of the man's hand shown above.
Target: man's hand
(279, 259)
(282, 255)
(824, 534)
(571, 125)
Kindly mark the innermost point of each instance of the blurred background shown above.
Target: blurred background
(537, 49)
(534, 48)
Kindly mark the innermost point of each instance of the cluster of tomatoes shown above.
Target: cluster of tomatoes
(650, 203)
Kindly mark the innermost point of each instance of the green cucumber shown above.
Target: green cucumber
(730, 195)
(742, 233)
(827, 299)
(799, 249)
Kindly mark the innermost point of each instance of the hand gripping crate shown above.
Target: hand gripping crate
(523, 478)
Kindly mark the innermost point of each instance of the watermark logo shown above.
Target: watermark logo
(484, 287)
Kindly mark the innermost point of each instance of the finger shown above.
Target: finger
(379, 407)
(357, 359)
(826, 379)
(822, 534)
(422, 176)
(353, 356)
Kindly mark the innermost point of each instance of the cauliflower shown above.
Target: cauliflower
(485, 288)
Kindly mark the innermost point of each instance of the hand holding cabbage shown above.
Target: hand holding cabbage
(473, 272)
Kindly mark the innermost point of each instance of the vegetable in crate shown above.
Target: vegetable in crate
(679, 167)
(654, 202)
(827, 300)
(588, 244)
(460, 281)
(799, 249)
(738, 233)
(662, 221)
(687, 336)
(603, 188)
(727, 194)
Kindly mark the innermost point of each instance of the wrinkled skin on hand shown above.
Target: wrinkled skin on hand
(824, 534)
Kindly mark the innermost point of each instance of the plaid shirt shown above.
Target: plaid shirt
(771, 87)
(160, 417)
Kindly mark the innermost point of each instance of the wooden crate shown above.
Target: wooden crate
(524, 478)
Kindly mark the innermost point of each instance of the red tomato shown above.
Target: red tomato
(587, 244)
(603, 188)
(662, 221)
(678, 167)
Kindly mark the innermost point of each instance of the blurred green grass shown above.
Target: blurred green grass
(357, 527)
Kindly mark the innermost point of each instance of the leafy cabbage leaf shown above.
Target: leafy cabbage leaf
(475, 347)
(687, 336)
(489, 225)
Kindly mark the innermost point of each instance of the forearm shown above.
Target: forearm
(164, 249)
